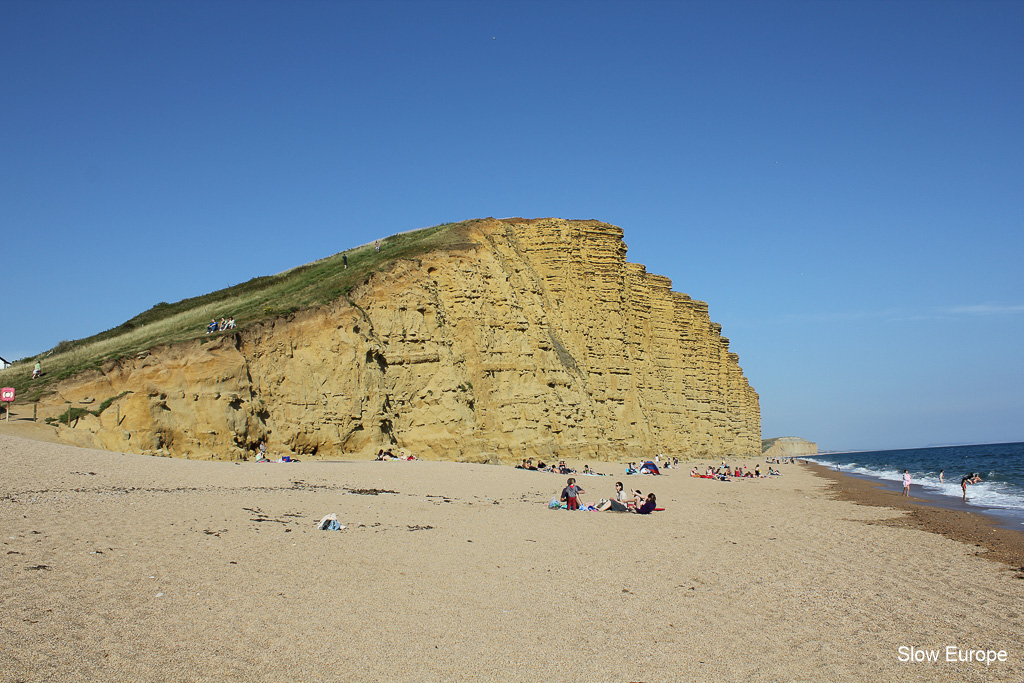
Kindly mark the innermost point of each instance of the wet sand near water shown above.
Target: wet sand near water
(132, 568)
(971, 527)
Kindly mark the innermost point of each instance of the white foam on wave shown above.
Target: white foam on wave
(993, 494)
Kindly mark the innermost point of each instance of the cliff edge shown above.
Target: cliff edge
(522, 338)
(788, 447)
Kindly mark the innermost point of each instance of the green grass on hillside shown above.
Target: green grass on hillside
(259, 299)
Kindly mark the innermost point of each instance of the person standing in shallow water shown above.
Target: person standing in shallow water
(906, 483)
(968, 479)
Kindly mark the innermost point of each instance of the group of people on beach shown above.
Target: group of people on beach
(224, 324)
(261, 455)
(619, 502)
(726, 473)
(965, 481)
(388, 454)
(560, 468)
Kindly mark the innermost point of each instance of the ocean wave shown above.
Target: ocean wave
(990, 492)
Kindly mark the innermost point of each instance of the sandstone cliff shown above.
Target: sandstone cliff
(788, 447)
(528, 338)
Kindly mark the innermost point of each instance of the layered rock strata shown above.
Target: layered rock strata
(530, 338)
(788, 447)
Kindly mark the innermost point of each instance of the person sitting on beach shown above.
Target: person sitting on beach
(757, 470)
(693, 472)
(571, 495)
(231, 323)
(971, 478)
(619, 503)
(774, 472)
(647, 507)
(649, 468)
(630, 468)
(212, 327)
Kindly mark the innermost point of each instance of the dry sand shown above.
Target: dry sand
(131, 568)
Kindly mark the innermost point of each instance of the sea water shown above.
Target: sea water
(1000, 466)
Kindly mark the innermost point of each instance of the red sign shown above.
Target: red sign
(7, 394)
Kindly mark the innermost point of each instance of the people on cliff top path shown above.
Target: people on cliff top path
(906, 483)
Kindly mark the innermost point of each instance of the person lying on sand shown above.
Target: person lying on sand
(647, 507)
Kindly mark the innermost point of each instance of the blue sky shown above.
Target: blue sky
(843, 182)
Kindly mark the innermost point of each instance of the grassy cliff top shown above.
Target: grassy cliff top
(259, 299)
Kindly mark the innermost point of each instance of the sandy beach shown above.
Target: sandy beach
(133, 568)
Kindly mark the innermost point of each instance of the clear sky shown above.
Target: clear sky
(843, 182)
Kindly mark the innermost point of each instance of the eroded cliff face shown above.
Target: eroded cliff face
(788, 447)
(532, 338)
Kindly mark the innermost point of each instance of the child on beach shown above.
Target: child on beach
(906, 483)
(571, 495)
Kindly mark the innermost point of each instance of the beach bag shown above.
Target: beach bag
(554, 503)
